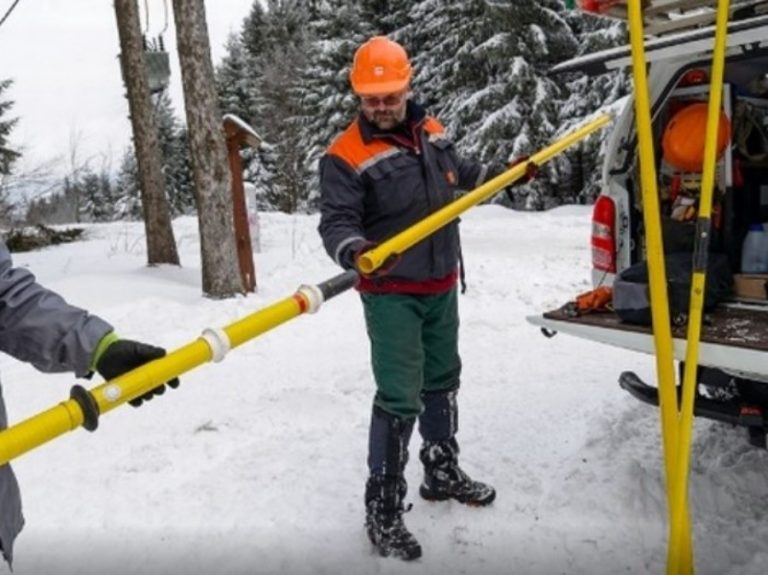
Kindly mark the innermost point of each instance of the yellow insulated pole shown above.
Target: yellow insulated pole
(698, 285)
(662, 331)
(373, 259)
(85, 406)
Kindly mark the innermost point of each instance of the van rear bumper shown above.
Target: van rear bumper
(734, 338)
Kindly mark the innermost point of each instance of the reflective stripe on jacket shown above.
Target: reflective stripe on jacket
(373, 186)
(37, 326)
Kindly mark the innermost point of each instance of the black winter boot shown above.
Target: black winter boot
(384, 518)
(386, 487)
(444, 479)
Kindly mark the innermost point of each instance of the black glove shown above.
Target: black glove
(123, 356)
(355, 250)
(531, 171)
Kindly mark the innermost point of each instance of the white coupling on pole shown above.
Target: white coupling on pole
(313, 296)
(218, 340)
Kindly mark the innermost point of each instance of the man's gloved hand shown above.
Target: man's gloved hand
(353, 251)
(124, 355)
(357, 249)
(531, 171)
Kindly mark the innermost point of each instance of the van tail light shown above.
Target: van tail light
(604, 235)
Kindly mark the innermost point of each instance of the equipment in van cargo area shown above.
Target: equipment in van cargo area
(683, 140)
(750, 134)
(734, 336)
(754, 252)
(631, 296)
(751, 286)
(596, 300)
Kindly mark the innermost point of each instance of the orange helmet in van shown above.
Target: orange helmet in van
(380, 66)
(685, 134)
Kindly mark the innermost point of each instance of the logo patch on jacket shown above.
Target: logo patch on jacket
(450, 175)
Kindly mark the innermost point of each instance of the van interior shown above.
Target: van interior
(734, 335)
(741, 195)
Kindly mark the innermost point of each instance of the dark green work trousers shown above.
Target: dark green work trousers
(414, 348)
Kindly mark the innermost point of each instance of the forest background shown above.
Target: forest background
(480, 66)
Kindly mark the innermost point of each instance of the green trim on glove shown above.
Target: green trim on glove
(102, 346)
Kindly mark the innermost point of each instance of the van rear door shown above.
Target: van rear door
(735, 336)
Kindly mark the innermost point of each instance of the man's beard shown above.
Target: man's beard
(385, 120)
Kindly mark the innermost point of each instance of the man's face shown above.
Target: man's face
(385, 110)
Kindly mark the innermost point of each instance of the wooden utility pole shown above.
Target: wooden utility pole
(210, 171)
(161, 245)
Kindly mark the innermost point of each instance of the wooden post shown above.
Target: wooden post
(239, 134)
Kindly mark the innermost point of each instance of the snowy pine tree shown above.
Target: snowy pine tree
(234, 83)
(261, 172)
(326, 103)
(7, 155)
(96, 196)
(62, 205)
(481, 67)
(254, 39)
(176, 166)
(275, 42)
(582, 164)
(386, 17)
(127, 194)
(181, 187)
(172, 138)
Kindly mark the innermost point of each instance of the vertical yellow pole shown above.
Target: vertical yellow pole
(698, 285)
(662, 331)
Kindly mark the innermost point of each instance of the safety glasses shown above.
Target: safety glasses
(388, 101)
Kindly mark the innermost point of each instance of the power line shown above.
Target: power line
(8, 13)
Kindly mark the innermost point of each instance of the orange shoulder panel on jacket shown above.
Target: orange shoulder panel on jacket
(350, 147)
(433, 126)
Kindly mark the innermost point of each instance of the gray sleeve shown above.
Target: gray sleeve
(37, 326)
(342, 197)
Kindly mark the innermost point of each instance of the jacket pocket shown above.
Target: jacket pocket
(449, 173)
(396, 184)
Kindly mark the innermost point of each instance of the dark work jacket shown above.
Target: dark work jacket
(374, 185)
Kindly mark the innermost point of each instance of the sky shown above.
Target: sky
(256, 465)
(67, 88)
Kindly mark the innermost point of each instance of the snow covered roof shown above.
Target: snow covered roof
(251, 137)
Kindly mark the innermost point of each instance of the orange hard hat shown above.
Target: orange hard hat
(684, 136)
(380, 66)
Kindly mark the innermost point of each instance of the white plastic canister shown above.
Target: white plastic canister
(754, 251)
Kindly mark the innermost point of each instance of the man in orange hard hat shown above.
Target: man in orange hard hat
(390, 168)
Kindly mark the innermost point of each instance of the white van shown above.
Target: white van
(734, 342)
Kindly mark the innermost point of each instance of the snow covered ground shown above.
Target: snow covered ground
(257, 465)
